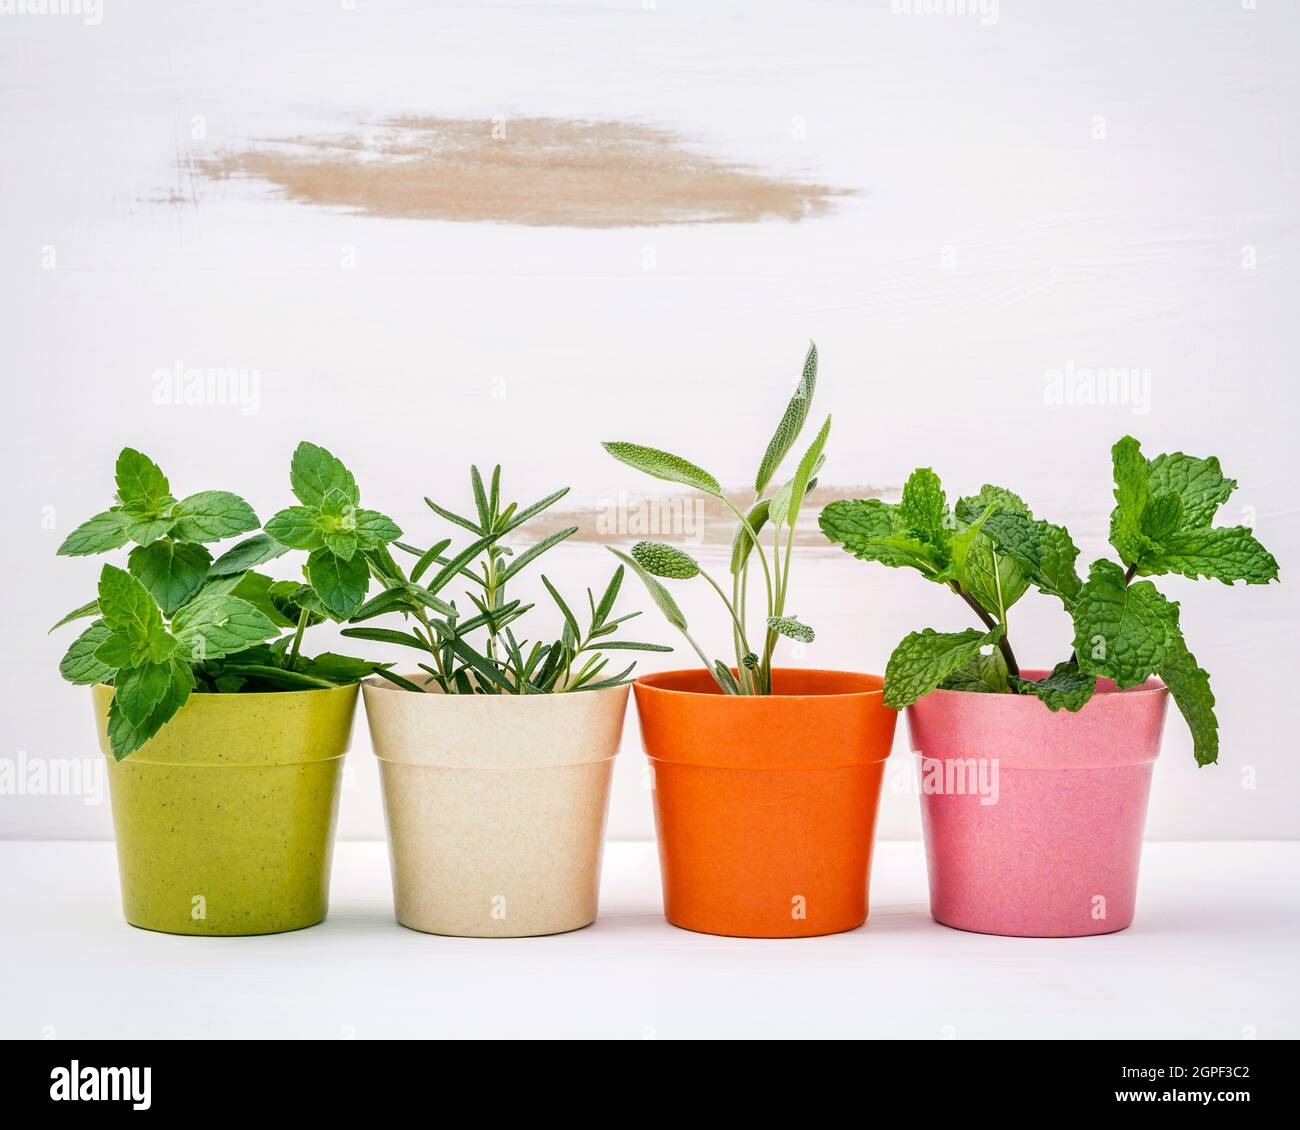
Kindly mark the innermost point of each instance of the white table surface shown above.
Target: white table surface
(1212, 954)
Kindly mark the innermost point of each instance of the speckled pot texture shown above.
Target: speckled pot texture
(495, 806)
(225, 818)
(1033, 819)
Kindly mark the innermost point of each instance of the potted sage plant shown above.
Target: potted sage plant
(1035, 782)
(224, 740)
(496, 752)
(766, 779)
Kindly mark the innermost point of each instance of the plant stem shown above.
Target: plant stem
(297, 639)
(758, 549)
(1004, 644)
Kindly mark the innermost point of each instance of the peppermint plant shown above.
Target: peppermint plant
(990, 550)
(772, 513)
(476, 650)
(175, 621)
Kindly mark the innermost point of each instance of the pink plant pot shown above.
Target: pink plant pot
(1033, 818)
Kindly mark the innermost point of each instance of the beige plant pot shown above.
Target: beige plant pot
(495, 806)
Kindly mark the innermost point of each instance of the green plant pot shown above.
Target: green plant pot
(225, 819)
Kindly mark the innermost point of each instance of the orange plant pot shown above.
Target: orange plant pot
(765, 806)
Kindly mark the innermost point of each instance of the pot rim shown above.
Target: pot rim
(1105, 688)
(251, 694)
(377, 682)
(648, 682)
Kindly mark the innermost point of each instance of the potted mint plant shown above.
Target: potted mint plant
(766, 779)
(224, 740)
(1035, 782)
(496, 751)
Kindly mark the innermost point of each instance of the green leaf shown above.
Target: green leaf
(456, 564)
(79, 664)
(982, 674)
(341, 585)
(661, 560)
(261, 592)
(99, 534)
(787, 431)
(533, 552)
(606, 603)
(660, 595)
(141, 485)
(923, 509)
(132, 617)
(146, 531)
(1045, 552)
(141, 689)
(1224, 553)
(373, 529)
(314, 473)
(806, 472)
(401, 681)
(1066, 688)
(125, 737)
(429, 557)
(386, 635)
(211, 515)
(725, 679)
(530, 511)
(663, 465)
(213, 626)
(390, 600)
(480, 499)
(248, 554)
(790, 627)
(173, 572)
(1132, 495)
(1163, 517)
(565, 611)
(1121, 631)
(925, 659)
(995, 581)
(1001, 499)
(1199, 483)
(341, 543)
(872, 530)
(632, 645)
(91, 608)
(453, 517)
(742, 545)
(1189, 685)
(297, 527)
(278, 676)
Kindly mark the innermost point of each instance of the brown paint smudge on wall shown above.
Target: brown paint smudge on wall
(546, 172)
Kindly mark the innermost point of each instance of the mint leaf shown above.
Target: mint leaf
(787, 431)
(138, 634)
(872, 530)
(374, 529)
(298, 527)
(968, 509)
(213, 626)
(1162, 517)
(90, 608)
(146, 531)
(141, 689)
(923, 509)
(211, 515)
(141, 485)
(924, 659)
(125, 736)
(341, 584)
(664, 465)
(1132, 495)
(314, 473)
(79, 664)
(1121, 631)
(1224, 553)
(1046, 553)
(173, 572)
(248, 554)
(1066, 688)
(1199, 483)
(257, 589)
(981, 674)
(1190, 687)
(995, 580)
(342, 544)
(97, 535)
